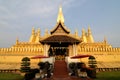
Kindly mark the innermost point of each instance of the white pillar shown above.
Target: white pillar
(70, 50)
(46, 48)
(74, 50)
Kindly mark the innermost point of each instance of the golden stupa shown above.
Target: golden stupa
(59, 41)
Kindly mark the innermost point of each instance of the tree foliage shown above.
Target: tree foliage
(25, 64)
(92, 62)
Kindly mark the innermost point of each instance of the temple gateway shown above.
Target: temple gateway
(60, 42)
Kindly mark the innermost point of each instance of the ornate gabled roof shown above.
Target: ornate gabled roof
(60, 23)
(60, 28)
(60, 34)
(60, 39)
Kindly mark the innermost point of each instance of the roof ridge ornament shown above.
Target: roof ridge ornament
(60, 23)
(60, 16)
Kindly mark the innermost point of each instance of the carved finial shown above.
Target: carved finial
(60, 16)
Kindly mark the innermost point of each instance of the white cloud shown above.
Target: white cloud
(18, 15)
(16, 9)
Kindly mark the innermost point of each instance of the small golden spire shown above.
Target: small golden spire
(84, 35)
(38, 32)
(89, 36)
(105, 41)
(89, 30)
(76, 32)
(33, 31)
(83, 32)
(17, 40)
(60, 16)
(46, 32)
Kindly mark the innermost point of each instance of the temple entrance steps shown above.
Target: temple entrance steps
(61, 72)
(60, 69)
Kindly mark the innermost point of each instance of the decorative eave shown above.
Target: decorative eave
(60, 39)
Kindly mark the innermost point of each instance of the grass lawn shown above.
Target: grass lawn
(108, 76)
(100, 76)
(10, 76)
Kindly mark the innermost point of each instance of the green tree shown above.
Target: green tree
(25, 65)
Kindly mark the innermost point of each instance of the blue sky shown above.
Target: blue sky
(17, 17)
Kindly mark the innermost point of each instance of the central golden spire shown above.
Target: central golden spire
(60, 16)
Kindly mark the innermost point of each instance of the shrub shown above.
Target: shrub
(25, 65)
(92, 62)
